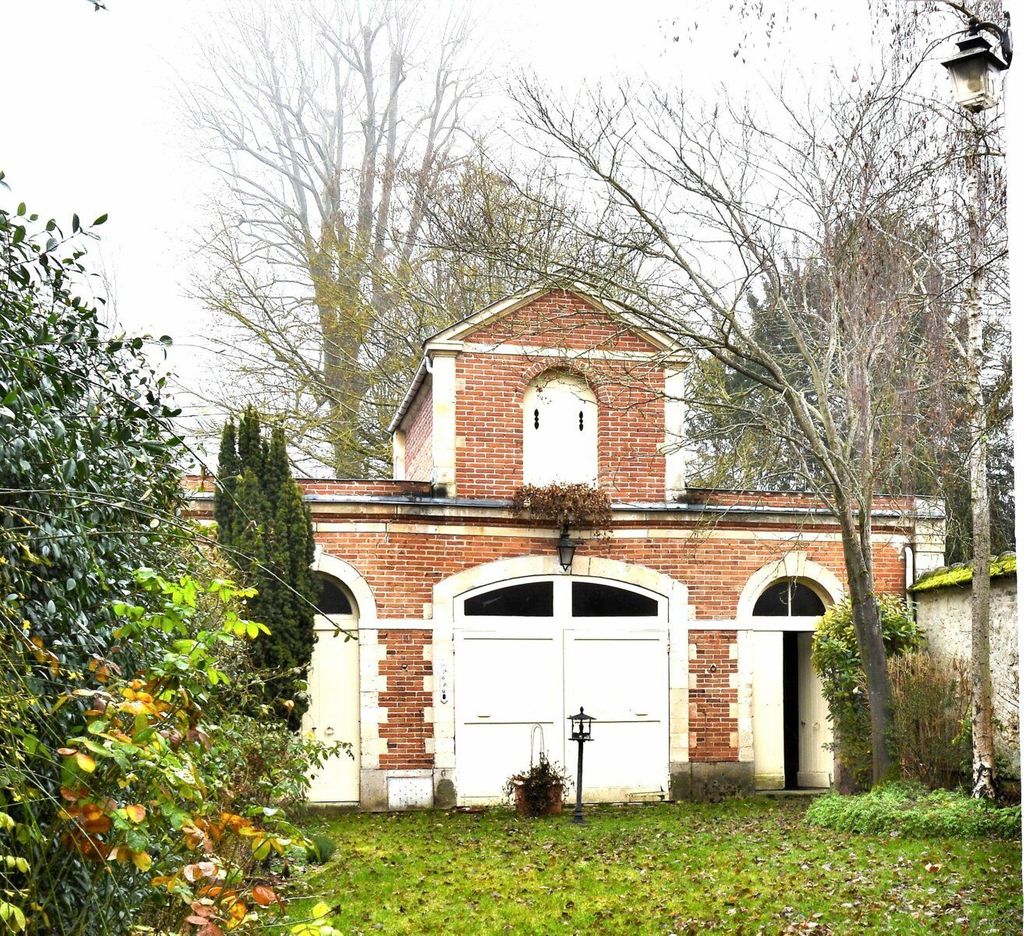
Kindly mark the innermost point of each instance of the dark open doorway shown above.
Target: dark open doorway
(790, 708)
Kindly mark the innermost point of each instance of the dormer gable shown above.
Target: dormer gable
(472, 418)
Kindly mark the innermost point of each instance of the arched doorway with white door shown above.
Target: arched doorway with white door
(782, 604)
(530, 652)
(333, 714)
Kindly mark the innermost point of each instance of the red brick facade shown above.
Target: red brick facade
(714, 727)
(418, 449)
(560, 319)
(407, 698)
(401, 539)
(401, 568)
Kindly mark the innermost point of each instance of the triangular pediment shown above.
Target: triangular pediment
(558, 316)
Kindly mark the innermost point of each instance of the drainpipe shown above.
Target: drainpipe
(910, 575)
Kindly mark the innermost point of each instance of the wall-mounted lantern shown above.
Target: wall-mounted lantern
(566, 549)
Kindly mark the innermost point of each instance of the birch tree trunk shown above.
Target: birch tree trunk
(983, 753)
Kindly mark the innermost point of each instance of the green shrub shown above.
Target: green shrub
(320, 849)
(912, 811)
(836, 658)
(931, 736)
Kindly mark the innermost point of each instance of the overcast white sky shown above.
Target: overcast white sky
(92, 125)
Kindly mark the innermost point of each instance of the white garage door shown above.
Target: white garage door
(531, 653)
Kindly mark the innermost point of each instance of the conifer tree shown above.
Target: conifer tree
(250, 444)
(227, 483)
(268, 533)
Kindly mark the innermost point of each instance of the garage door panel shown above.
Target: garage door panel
(623, 756)
(611, 676)
(494, 752)
(508, 679)
(621, 678)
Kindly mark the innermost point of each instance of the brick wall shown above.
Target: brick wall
(561, 319)
(714, 726)
(407, 699)
(419, 425)
(401, 568)
(489, 425)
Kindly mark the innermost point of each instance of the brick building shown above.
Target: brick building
(684, 628)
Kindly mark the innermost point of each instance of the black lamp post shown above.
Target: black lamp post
(581, 725)
(566, 549)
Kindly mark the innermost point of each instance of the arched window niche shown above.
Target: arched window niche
(559, 430)
(789, 597)
(333, 597)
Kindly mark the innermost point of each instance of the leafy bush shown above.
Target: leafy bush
(836, 658)
(120, 797)
(931, 737)
(912, 811)
(89, 491)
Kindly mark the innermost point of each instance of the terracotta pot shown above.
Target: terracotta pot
(552, 808)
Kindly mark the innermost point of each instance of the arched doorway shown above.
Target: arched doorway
(782, 605)
(333, 714)
(530, 651)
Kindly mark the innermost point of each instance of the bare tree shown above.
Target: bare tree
(822, 225)
(333, 125)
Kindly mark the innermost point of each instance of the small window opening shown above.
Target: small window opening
(332, 600)
(789, 598)
(592, 600)
(581, 420)
(534, 599)
(536, 419)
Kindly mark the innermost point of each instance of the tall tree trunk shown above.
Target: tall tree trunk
(983, 748)
(867, 622)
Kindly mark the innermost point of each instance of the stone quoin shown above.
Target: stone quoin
(684, 627)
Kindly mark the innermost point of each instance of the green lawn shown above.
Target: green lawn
(744, 866)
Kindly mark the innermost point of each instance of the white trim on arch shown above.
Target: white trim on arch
(447, 592)
(366, 607)
(794, 565)
(501, 570)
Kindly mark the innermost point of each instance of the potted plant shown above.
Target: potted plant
(538, 791)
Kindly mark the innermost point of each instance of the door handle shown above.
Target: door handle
(640, 714)
(484, 716)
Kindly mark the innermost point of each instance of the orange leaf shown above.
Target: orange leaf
(263, 895)
(136, 812)
(67, 751)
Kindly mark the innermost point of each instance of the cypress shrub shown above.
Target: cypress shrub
(266, 528)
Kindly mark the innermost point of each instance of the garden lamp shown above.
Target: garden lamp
(581, 733)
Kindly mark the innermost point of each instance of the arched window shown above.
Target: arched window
(532, 599)
(332, 598)
(559, 431)
(789, 598)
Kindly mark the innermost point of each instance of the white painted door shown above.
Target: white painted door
(505, 683)
(621, 678)
(815, 769)
(769, 750)
(512, 673)
(333, 714)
